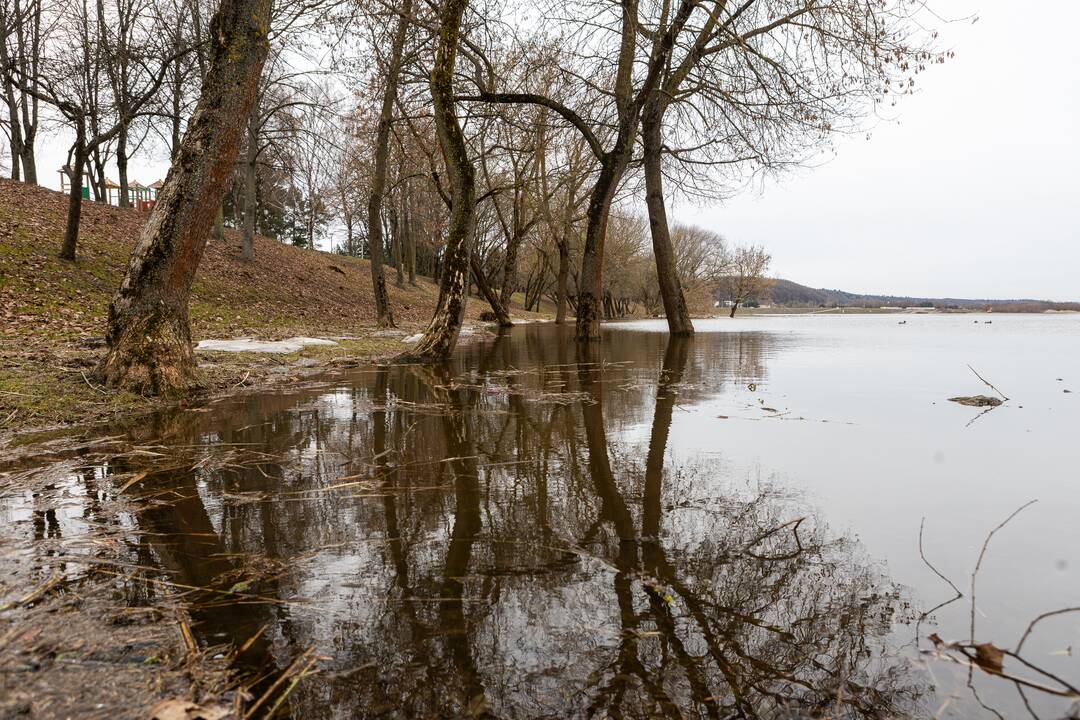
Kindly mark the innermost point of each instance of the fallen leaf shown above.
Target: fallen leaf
(989, 658)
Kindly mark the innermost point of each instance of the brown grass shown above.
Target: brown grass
(52, 312)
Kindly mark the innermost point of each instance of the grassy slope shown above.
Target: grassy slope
(52, 312)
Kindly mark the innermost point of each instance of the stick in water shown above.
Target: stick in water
(987, 383)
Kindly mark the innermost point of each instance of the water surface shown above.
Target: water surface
(726, 526)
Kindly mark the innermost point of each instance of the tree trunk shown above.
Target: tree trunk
(97, 177)
(71, 230)
(671, 292)
(251, 160)
(442, 333)
(734, 307)
(396, 247)
(174, 121)
(15, 134)
(509, 279)
(14, 125)
(409, 237)
(29, 162)
(411, 257)
(148, 336)
(383, 316)
(122, 167)
(482, 284)
(591, 286)
(561, 284)
(218, 231)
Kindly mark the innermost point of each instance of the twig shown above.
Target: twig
(794, 525)
(292, 685)
(937, 572)
(972, 420)
(1036, 621)
(987, 383)
(973, 662)
(35, 594)
(189, 639)
(91, 385)
(982, 554)
(289, 671)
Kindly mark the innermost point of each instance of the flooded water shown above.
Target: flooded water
(727, 526)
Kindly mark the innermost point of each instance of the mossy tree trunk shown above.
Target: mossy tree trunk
(442, 332)
(148, 336)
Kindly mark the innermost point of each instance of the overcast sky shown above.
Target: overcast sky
(972, 192)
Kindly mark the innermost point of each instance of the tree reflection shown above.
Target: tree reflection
(475, 544)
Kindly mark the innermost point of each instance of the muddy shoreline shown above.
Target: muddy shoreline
(82, 634)
(224, 374)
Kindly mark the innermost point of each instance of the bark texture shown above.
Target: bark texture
(442, 332)
(148, 336)
(590, 307)
(671, 291)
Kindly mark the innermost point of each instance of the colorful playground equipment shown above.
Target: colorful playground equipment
(141, 197)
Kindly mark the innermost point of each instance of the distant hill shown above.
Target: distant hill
(792, 294)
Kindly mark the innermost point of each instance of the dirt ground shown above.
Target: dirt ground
(83, 633)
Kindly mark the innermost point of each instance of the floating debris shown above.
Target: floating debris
(976, 400)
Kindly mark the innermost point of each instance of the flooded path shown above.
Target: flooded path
(720, 527)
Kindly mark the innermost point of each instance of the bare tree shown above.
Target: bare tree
(761, 86)
(148, 336)
(747, 279)
(392, 70)
(442, 332)
(629, 90)
(562, 203)
(73, 84)
(126, 43)
(21, 39)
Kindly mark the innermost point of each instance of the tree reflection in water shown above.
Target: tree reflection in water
(484, 540)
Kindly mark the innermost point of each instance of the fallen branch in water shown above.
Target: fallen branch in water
(985, 655)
